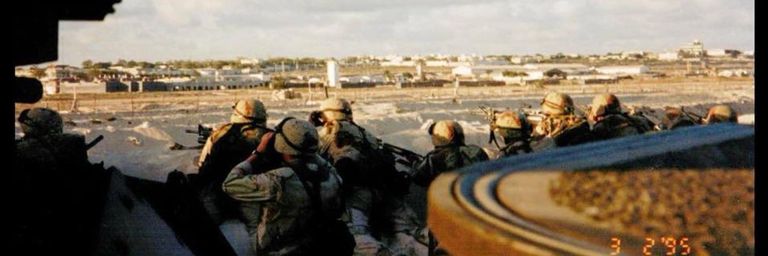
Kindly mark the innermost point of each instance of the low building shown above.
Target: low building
(723, 53)
(623, 70)
(669, 56)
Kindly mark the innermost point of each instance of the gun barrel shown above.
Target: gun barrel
(94, 142)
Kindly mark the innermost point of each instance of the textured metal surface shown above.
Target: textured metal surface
(467, 216)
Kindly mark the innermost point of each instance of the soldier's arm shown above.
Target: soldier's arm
(205, 151)
(241, 185)
(422, 171)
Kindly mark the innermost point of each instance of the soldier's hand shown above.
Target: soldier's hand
(316, 118)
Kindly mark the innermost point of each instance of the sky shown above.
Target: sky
(158, 30)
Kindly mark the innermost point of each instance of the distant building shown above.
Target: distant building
(669, 56)
(333, 73)
(694, 49)
(722, 53)
(623, 70)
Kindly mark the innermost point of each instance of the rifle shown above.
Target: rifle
(202, 136)
(693, 116)
(407, 154)
(490, 115)
(202, 133)
(94, 142)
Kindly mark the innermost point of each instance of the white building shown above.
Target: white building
(721, 53)
(333, 73)
(623, 70)
(669, 56)
(569, 68)
(694, 49)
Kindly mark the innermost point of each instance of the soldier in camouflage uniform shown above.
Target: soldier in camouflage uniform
(228, 145)
(608, 121)
(561, 124)
(51, 164)
(450, 153)
(301, 203)
(515, 130)
(721, 114)
(45, 144)
(676, 118)
(375, 210)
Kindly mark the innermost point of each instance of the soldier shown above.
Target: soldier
(50, 163)
(560, 123)
(375, 209)
(676, 118)
(228, 145)
(515, 131)
(721, 114)
(300, 201)
(608, 121)
(450, 152)
(46, 145)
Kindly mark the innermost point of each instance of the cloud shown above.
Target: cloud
(203, 29)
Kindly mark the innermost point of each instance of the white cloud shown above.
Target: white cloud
(203, 29)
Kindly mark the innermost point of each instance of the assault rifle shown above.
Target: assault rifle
(410, 156)
(202, 136)
(202, 133)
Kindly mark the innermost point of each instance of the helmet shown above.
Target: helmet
(604, 104)
(557, 104)
(336, 109)
(675, 118)
(40, 121)
(446, 132)
(721, 113)
(511, 120)
(296, 137)
(512, 126)
(248, 111)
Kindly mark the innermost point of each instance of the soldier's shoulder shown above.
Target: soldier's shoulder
(473, 150)
(282, 172)
(219, 131)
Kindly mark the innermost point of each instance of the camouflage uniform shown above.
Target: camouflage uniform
(675, 118)
(228, 145)
(374, 211)
(608, 121)
(50, 163)
(450, 153)
(300, 202)
(560, 126)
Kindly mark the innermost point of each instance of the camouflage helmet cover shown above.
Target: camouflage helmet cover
(555, 103)
(721, 113)
(604, 104)
(247, 111)
(446, 132)
(510, 120)
(40, 121)
(336, 109)
(296, 137)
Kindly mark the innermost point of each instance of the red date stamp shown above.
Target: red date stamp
(672, 245)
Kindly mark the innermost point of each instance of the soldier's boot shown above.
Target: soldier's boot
(365, 243)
